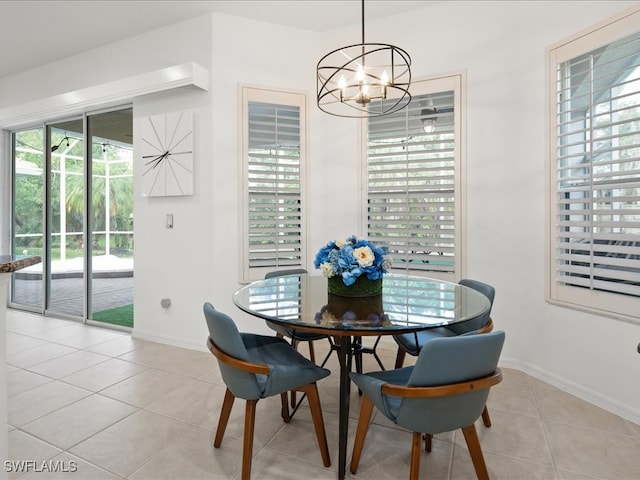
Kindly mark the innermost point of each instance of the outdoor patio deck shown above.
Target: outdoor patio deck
(112, 285)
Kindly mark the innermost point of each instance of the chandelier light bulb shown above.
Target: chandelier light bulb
(384, 78)
(342, 85)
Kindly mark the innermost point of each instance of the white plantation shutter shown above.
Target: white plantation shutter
(413, 204)
(596, 176)
(274, 146)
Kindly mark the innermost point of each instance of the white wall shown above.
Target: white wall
(500, 45)
(245, 53)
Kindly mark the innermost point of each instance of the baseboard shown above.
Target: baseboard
(173, 341)
(617, 408)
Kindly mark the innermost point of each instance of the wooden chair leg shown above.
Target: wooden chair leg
(473, 444)
(427, 442)
(285, 407)
(486, 419)
(400, 358)
(247, 448)
(224, 417)
(318, 422)
(312, 352)
(416, 443)
(366, 409)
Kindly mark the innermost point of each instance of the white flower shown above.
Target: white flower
(327, 269)
(341, 243)
(364, 256)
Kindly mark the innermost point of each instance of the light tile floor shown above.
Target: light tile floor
(111, 406)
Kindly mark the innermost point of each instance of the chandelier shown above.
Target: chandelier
(364, 80)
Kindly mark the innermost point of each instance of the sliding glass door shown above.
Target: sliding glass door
(28, 215)
(110, 222)
(85, 240)
(64, 257)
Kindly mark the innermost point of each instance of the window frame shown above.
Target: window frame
(456, 82)
(609, 304)
(283, 96)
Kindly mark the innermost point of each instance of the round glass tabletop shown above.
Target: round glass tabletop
(407, 303)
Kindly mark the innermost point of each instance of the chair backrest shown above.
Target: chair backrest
(481, 320)
(444, 361)
(287, 332)
(224, 333)
(279, 273)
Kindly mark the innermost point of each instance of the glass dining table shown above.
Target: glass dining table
(408, 303)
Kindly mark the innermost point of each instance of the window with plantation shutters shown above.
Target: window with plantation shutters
(273, 160)
(413, 181)
(595, 174)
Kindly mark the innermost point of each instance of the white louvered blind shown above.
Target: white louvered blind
(274, 175)
(412, 183)
(597, 183)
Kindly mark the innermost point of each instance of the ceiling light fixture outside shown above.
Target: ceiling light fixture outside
(428, 116)
(429, 119)
(56, 147)
(351, 77)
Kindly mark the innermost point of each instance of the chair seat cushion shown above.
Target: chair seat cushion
(288, 369)
(416, 414)
(370, 384)
(407, 341)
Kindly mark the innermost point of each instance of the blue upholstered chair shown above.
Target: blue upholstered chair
(298, 336)
(482, 324)
(258, 366)
(445, 390)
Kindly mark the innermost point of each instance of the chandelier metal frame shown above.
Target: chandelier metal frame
(351, 77)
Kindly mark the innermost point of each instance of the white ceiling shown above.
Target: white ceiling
(34, 32)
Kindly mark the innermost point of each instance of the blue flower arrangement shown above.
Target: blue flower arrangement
(352, 258)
